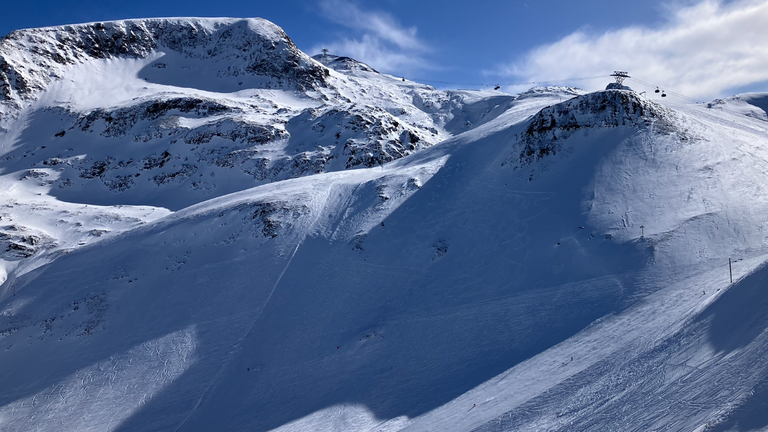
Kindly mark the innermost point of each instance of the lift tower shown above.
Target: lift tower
(620, 76)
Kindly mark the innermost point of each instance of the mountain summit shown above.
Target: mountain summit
(203, 228)
(215, 54)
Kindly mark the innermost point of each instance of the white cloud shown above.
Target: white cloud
(701, 51)
(383, 43)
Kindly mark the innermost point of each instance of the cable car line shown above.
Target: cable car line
(658, 89)
(561, 81)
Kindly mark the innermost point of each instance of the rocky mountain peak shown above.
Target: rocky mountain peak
(605, 109)
(343, 64)
(226, 50)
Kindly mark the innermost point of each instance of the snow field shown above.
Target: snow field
(461, 284)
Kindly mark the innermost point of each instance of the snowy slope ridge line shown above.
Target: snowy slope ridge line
(749, 104)
(238, 345)
(275, 205)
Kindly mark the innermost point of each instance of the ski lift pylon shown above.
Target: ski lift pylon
(620, 76)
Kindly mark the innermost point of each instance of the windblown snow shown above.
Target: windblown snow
(203, 228)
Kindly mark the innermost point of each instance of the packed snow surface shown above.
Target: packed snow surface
(203, 228)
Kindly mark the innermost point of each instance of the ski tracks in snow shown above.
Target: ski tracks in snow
(238, 345)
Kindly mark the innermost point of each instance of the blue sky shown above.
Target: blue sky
(702, 49)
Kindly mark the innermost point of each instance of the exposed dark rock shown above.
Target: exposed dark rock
(97, 169)
(608, 109)
(117, 122)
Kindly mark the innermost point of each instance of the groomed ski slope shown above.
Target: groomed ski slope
(470, 285)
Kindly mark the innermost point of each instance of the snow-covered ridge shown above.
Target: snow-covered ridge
(118, 116)
(753, 105)
(171, 112)
(343, 63)
(550, 127)
(31, 59)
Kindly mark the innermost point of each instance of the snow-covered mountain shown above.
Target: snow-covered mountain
(203, 228)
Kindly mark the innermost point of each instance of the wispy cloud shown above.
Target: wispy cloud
(701, 51)
(381, 42)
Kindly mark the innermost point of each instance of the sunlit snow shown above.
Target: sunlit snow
(203, 228)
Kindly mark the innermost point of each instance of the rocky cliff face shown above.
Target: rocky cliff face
(32, 59)
(548, 129)
(342, 63)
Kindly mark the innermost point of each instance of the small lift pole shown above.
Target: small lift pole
(730, 270)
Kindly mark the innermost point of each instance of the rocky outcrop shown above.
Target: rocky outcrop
(343, 64)
(550, 127)
(117, 122)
